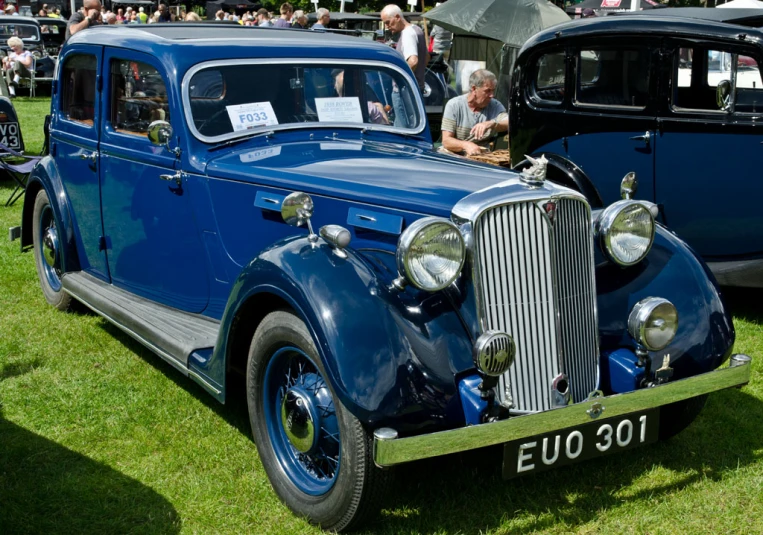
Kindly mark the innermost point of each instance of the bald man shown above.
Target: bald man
(78, 21)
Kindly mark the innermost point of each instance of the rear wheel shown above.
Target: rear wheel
(317, 455)
(47, 252)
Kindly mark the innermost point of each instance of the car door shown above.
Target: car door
(613, 113)
(74, 142)
(155, 249)
(710, 157)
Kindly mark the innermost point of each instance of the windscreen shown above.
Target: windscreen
(228, 100)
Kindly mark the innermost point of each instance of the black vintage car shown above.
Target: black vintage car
(670, 104)
(29, 31)
(53, 32)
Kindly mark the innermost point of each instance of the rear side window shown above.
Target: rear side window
(613, 77)
(549, 77)
(78, 79)
(698, 72)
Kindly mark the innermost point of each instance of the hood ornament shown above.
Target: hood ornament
(535, 175)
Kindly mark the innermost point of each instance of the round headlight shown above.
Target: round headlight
(430, 253)
(626, 232)
(653, 323)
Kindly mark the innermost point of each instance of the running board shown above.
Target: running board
(169, 332)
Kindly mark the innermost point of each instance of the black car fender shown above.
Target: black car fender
(562, 171)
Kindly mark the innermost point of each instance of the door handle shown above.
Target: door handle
(646, 138)
(177, 177)
(93, 156)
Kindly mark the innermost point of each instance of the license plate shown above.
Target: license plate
(9, 135)
(543, 452)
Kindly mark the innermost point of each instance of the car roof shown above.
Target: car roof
(182, 45)
(636, 24)
(17, 19)
(742, 16)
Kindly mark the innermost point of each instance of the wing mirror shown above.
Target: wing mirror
(723, 95)
(160, 133)
(296, 210)
(628, 186)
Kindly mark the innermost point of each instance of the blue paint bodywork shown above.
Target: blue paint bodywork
(216, 244)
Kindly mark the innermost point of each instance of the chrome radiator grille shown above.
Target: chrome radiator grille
(535, 281)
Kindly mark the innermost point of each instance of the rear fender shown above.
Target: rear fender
(45, 176)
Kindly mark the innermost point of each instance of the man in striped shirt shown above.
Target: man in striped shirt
(470, 121)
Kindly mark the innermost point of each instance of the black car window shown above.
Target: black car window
(138, 96)
(78, 79)
(698, 71)
(549, 77)
(613, 77)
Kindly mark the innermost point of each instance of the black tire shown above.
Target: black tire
(47, 252)
(283, 351)
(677, 416)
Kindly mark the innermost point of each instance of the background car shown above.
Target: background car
(273, 224)
(672, 102)
(28, 30)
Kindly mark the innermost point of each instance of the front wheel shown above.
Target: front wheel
(317, 455)
(47, 252)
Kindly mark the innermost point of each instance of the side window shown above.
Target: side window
(549, 77)
(78, 78)
(138, 96)
(613, 77)
(711, 67)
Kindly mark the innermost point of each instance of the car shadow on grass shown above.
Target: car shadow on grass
(47, 488)
(465, 493)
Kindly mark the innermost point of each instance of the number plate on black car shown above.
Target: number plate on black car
(575, 444)
(9, 135)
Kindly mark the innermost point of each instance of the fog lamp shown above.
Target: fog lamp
(653, 323)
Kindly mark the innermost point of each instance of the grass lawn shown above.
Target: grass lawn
(98, 435)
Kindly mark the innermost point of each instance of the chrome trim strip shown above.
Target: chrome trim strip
(293, 126)
(401, 450)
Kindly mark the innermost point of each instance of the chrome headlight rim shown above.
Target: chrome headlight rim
(642, 315)
(604, 225)
(405, 242)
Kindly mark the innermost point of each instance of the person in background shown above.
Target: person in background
(192, 16)
(110, 18)
(16, 65)
(471, 120)
(323, 18)
(10, 9)
(220, 15)
(120, 16)
(411, 44)
(164, 14)
(89, 15)
(299, 20)
(142, 16)
(263, 18)
(284, 21)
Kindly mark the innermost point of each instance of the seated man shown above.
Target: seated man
(17, 64)
(471, 120)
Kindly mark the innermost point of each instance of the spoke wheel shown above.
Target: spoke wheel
(317, 455)
(47, 252)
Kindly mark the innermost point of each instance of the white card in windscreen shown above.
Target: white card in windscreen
(251, 115)
(339, 110)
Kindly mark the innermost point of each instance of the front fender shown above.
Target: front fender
(45, 176)
(671, 270)
(390, 355)
(562, 171)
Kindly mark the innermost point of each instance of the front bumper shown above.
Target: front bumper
(389, 450)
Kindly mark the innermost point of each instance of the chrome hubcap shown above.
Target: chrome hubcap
(299, 419)
(50, 246)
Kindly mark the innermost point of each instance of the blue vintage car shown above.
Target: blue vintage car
(271, 211)
(671, 102)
